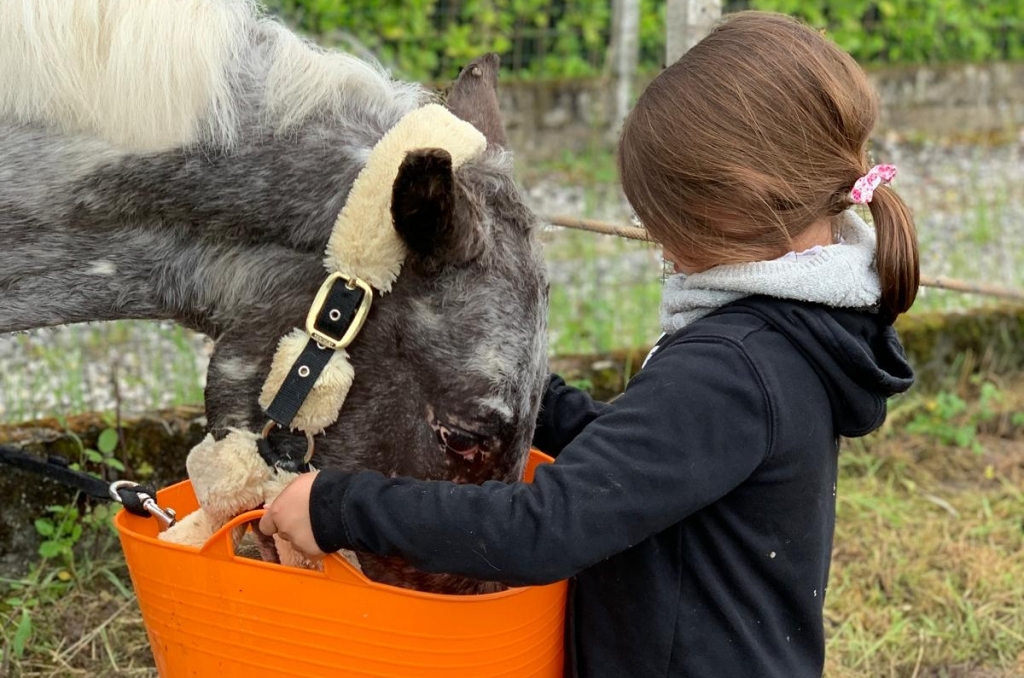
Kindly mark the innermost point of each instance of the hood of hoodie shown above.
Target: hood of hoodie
(856, 354)
(841, 275)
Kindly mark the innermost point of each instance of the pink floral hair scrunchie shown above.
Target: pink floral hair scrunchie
(865, 187)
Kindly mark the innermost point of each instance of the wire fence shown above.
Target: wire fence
(967, 194)
(431, 39)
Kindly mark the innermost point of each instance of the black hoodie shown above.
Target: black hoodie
(694, 514)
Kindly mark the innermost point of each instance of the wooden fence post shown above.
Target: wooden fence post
(626, 46)
(686, 23)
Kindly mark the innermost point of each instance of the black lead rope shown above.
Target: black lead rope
(133, 496)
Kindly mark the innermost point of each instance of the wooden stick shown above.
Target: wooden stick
(602, 227)
(967, 287)
(633, 233)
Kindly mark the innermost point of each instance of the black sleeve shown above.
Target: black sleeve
(689, 428)
(564, 412)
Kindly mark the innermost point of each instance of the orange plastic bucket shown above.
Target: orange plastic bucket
(211, 613)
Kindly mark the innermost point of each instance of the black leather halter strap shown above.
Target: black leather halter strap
(335, 318)
(332, 321)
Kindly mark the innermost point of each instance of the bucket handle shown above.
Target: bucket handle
(222, 547)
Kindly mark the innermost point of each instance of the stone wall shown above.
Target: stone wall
(975, 99)
(547, 119)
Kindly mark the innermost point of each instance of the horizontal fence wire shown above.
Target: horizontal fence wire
(939, 282)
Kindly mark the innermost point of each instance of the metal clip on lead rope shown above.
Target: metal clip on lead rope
(165, 517)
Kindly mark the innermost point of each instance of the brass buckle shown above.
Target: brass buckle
(357, 321)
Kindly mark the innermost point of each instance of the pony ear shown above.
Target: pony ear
(437, 221)
(474, 98)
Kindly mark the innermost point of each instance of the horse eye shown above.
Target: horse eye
(459, 441)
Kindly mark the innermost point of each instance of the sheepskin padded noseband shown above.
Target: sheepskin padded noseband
(311, 374)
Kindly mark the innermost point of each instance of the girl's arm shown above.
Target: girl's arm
(689, 428)
(564, 412)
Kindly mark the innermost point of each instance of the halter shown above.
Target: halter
(311, 375)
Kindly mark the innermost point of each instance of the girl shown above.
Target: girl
(695, 514)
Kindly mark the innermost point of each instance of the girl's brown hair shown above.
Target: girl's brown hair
(754, 135)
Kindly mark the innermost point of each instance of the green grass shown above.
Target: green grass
(73, 613)
(929, 552)
(598, 304)
(92, 367)
(916, 579)
(605, 291)
(927, 576)
(593, 166)
(970, 223)
(928, 572)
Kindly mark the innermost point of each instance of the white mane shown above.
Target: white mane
(157, 74)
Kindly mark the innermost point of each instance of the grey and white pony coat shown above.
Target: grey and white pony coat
(186, 160)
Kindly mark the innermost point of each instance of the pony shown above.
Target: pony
(185, 160)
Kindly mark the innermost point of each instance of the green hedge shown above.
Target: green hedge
(431, 39)
(916, 31)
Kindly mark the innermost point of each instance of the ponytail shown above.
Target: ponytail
(896, 258)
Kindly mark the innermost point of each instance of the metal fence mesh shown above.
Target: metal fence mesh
(430, 39)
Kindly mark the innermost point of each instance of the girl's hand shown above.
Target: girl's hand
(288, 516)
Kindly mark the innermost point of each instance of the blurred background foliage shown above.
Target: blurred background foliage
(428, 39)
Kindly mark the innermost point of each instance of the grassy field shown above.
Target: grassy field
(97, 367)
(929, 546)
(968, 200)
(928, 575)
(927, 578)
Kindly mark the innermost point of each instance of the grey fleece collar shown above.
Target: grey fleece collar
(841, 275)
